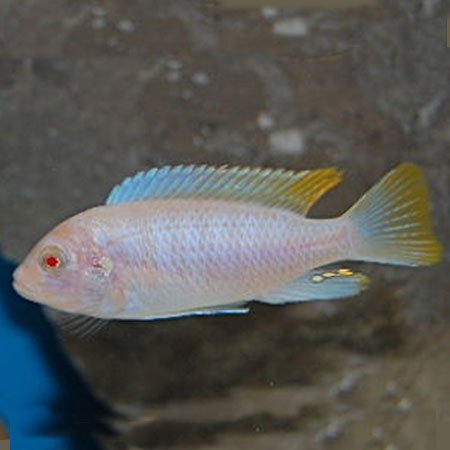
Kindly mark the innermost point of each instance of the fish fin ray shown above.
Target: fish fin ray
(393, 221)
(76, 324)
(319, 284)
(296, 191)
(234, 308)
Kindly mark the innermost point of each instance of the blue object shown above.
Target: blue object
(43, 400)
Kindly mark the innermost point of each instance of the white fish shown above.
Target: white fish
(190, 240)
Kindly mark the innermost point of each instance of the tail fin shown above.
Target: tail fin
(393, 220)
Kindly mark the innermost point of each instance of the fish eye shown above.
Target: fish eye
(52, 258)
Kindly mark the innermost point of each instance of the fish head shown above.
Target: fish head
(67, 270)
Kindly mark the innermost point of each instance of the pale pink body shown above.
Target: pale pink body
(186, 249)
(178, 255)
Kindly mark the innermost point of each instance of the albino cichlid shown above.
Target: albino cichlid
(188, 240)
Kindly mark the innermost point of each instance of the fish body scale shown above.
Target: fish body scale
(181, 254)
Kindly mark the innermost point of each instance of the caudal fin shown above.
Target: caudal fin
(393, 221)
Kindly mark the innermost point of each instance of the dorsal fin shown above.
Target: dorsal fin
(296, 191)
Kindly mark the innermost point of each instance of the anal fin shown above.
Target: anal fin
(319, 284)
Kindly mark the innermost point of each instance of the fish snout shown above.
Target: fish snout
(20, 285)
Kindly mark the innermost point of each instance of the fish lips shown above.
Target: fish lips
(22, 289)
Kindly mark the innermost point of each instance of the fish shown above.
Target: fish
(200, 240)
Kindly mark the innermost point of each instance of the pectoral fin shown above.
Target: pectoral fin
(319, 284)
(76, 324)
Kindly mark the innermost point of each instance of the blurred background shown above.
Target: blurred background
(92, 91)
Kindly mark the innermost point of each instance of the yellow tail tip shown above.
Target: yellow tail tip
(394, 220)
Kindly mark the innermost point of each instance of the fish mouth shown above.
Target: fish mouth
(22, 289)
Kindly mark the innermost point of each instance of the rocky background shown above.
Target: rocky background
(93, 91)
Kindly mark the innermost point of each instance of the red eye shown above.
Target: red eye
(52, 261)
(52, 258)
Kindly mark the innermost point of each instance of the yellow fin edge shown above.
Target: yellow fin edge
(393, 219)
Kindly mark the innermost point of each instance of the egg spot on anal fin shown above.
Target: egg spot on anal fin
(319, 284)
